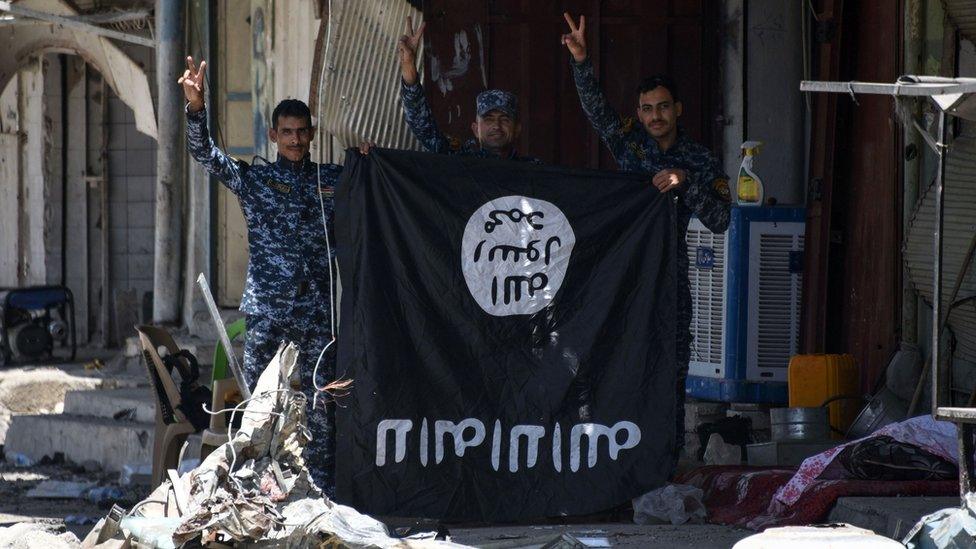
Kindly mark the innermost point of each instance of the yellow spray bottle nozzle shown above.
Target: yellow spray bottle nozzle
(751, 148)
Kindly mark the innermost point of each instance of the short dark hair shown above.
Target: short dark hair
(291, 107)
(658, 81)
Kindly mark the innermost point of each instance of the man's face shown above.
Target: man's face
(659, 112)
(293, 135)
(496, 131)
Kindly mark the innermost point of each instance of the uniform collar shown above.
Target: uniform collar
(680, 141)
(299, 166)
(473, 145)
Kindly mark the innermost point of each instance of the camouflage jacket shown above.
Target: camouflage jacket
(706, 191)
(419, 117)
(704, 194)
(282, 208)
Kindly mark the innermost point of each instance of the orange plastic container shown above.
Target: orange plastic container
(813, 379)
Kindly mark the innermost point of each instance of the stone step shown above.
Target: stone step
(133, 404)
(888, 516)
(111, 443)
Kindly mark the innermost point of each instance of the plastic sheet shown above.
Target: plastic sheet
(674, 503)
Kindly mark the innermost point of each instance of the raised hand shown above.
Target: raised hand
(407, 50)
(575, 41)
(193, 81)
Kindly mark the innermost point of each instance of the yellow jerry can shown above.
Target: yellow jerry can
(814, 379)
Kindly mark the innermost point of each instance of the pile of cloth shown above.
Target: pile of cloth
(760, 498)
(254, 490)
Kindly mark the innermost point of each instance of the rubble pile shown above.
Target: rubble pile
(254, 490)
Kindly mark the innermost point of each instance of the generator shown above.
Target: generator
(37, 324)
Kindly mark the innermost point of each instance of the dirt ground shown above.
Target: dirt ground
(78, 514)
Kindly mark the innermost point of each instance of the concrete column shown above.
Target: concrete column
(169, 162)
(199, 249)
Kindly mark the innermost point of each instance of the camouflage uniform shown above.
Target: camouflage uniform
(705, 193)
(419, 117)
(287, 294)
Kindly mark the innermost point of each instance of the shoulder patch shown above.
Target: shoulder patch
(453, 143)
(721, 186)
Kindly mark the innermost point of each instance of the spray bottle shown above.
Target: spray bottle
(749, 188)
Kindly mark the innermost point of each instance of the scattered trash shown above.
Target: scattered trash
(188, 465)
(59, 489)
(135, 474)
(674, 503)
(255, 487)
(128, 414)
(735, 430)
(952, 528)
(91, 466)
(152, 531)
(80, 519)
(105, 493)
(57, 459)
(19, 460)
(94, 365)
(717, 452)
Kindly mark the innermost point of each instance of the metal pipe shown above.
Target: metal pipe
(940, 371)
(63, 62)
(74, 23)
(105, 262)
(169, 163)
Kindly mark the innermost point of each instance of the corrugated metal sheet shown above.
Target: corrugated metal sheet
(960, 226)
(361, 81)
(963, 14)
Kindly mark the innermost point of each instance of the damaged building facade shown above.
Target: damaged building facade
(98, 194)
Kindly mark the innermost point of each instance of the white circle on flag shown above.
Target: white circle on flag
(514, 254)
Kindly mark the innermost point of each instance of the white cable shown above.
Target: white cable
(325, 227)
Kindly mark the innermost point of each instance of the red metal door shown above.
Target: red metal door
(515, 45)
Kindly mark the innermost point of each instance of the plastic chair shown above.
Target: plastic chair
(172, 427)
(224, 388)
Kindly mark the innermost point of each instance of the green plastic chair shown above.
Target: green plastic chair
(220, 369)
(222, 383)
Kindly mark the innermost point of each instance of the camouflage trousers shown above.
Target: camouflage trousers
(311, 334)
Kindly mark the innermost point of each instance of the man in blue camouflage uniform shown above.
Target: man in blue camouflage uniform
(288, 294)
(655, 145)
(496, 127)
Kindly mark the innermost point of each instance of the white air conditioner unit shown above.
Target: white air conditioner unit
(745, 292)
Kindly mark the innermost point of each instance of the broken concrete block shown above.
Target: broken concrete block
(759, 418)
(718, 452)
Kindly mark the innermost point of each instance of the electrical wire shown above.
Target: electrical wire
(325, 227)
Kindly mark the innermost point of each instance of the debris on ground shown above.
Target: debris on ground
(953, 528)
(718, 452)
(60, 489)
(37, 535)
(253, 488)
(674, 503)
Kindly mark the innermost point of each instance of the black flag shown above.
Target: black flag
(510, 330)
